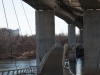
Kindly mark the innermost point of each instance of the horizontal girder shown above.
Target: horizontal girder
(69, 10)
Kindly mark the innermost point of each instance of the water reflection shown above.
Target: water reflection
(8, 64)
(79, 66)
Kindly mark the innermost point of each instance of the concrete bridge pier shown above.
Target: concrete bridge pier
(45, 32)
(91, 42)
(71, 34)
(81, 36)
(72, 41)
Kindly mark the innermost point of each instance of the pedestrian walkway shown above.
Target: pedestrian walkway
(53, 65)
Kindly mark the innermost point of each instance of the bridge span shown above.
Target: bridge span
(58, 60)
(81, 13)
(85, 14)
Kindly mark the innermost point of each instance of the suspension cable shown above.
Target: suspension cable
(16, 16)
(40, 8)
(18, 25)
(35, 45)
(5, 14)
(9, 32)
(26, 16)
(7, 27)
(27, 22)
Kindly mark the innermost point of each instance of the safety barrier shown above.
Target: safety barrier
(32, 70)
(65, 60)
(47, 55)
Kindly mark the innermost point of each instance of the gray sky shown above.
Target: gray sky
(60, 25)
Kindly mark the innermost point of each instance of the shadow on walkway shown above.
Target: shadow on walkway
(53, 65)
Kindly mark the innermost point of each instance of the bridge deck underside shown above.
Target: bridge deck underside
(53, 65)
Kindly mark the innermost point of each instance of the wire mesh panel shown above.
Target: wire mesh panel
(32, 70)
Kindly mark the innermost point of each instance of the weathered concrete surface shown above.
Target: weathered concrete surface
(71, 35)
(53, 65)
(45, 33)
(73, 66)
(81, 35)
(63, 9)
(90, 4)
(91, 42)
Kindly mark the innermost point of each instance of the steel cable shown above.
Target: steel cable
(8, 31)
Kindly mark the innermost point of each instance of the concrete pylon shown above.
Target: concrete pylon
(91, 42)
(45, 33)
(81, 35)
(72, 41)
(71, 35)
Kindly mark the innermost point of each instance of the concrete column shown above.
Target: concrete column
(71, 35)
(81, 35)
(45, 33)
(72, 41)
(91, 42)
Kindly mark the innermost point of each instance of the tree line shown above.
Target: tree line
(12, 46)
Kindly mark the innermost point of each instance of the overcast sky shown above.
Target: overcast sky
(60, 25)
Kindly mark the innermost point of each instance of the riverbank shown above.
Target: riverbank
(23, 55)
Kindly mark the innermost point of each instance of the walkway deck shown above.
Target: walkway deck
(53, 65)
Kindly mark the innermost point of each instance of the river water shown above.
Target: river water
(79, 66)
(8, 64)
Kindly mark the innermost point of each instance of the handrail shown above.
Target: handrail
(47, 55)
(65, 61)
(69, 54)
(29, 70)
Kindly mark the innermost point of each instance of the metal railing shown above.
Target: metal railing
(47, 55)
(69, 55)
(32, 70)
(65, 61)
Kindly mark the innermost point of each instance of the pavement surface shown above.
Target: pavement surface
(53, 65)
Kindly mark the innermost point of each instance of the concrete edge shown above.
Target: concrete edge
(47, 55)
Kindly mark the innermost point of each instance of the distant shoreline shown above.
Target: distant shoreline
(24, 55)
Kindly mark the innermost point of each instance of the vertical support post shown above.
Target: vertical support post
(91, 42)
(81, 36)
(71, 35)
(72, 41)
(45, 33)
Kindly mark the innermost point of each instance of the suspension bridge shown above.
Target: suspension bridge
(55, 59)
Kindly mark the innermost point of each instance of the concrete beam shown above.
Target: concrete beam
(91, 42)
(45, 33)
(71, 35)
(90, 4)
(59, 11)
